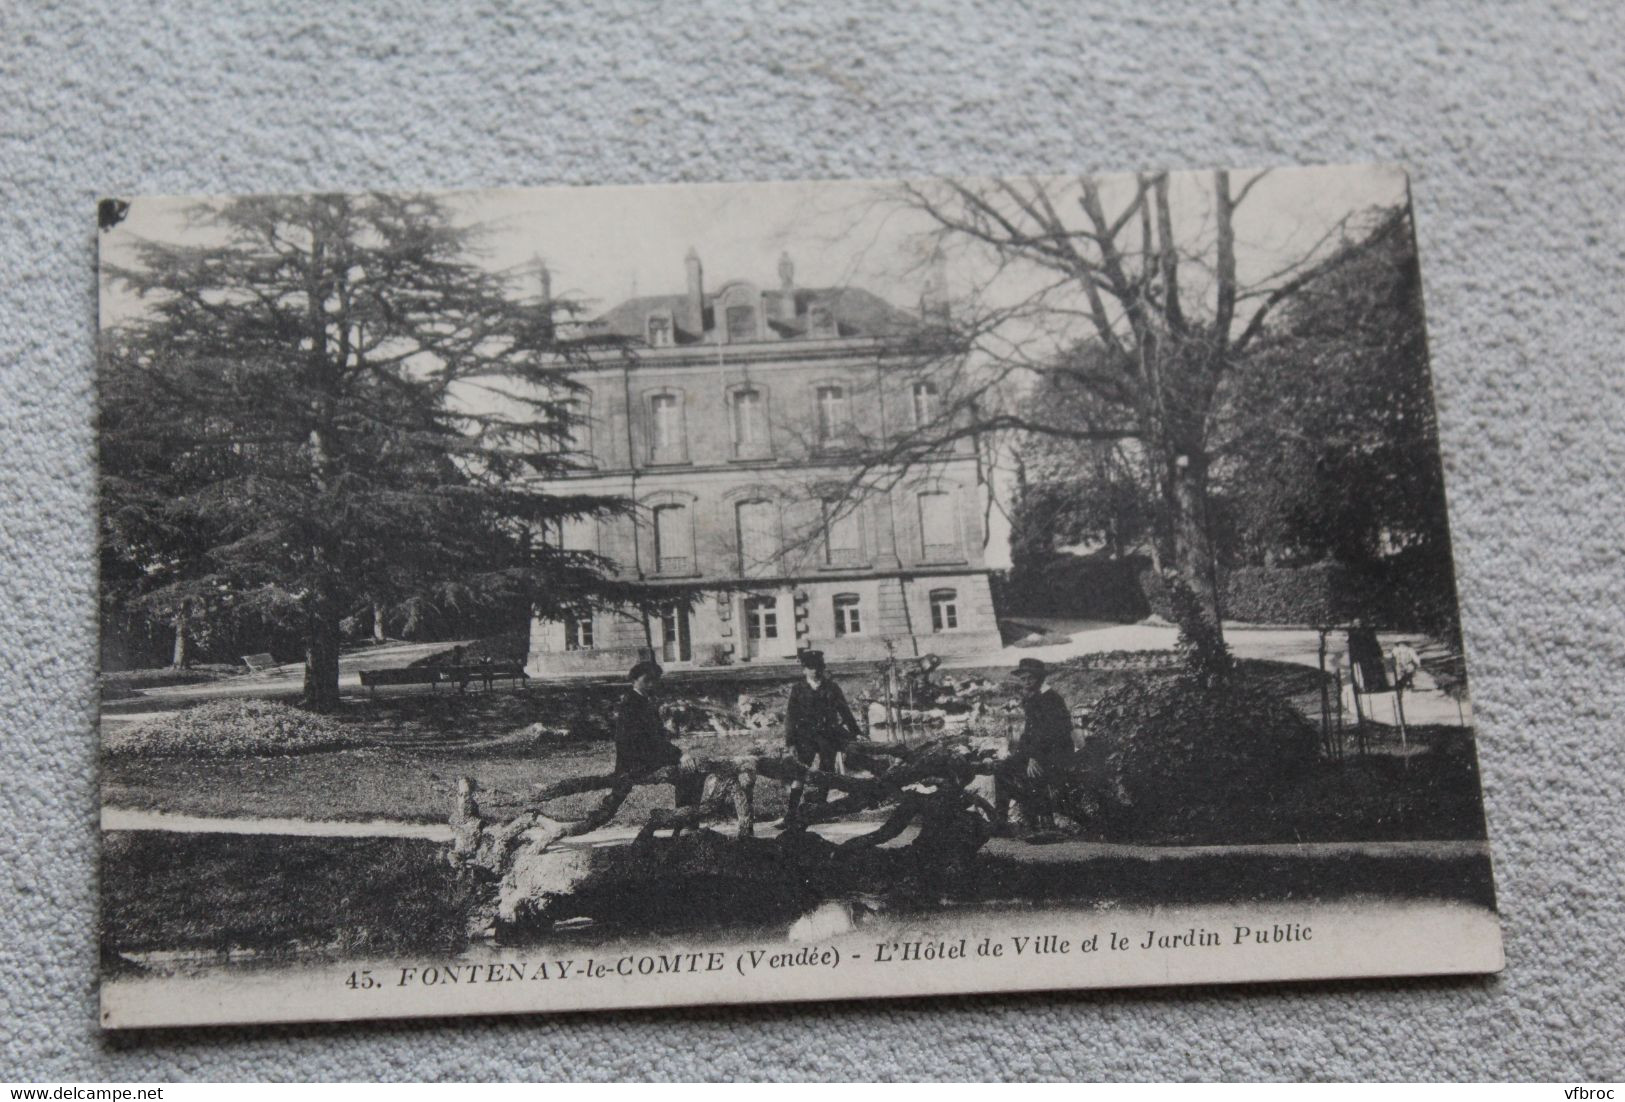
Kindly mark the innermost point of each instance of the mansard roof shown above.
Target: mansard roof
(857, 313)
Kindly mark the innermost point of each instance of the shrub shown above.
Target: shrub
(1200, 640)
(231, 728)
(1168, 753)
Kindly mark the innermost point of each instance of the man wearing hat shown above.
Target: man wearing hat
(1039, 755)
(642, 743)
(818, 724)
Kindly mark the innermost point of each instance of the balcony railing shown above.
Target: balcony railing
(677, 565)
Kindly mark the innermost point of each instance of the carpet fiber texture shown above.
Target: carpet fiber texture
(1510, 117)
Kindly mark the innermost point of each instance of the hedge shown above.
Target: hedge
(1398, 595)
(1088, 587)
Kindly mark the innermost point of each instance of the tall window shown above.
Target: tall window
(741, 321)
(749, 422)
(572, 420)
(925, 404)
(578, 632)
(939, 529)
(848, 620)
(758, 538)
(666, 411)
(843, 535)
(674, 540)
(578, 428)
(660, 331)
(944, 609)
(834, 414)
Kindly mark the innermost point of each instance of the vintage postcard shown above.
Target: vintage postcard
(552, 599)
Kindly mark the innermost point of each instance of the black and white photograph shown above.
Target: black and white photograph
(574, 598)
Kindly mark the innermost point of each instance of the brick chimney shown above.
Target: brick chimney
(787, 288)
(547, 299)
(695, 321)
(934, 294)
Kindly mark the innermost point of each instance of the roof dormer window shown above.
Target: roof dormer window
(820, 320)
(660, 331)
(741, 321)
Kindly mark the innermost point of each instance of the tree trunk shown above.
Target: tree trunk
(179, 658)
(321, 657)
(1193, 546)
(377, 622)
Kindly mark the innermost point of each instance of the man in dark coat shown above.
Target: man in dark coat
(642, 743)
(818, 724)
(1365, 653)
(1039, 755)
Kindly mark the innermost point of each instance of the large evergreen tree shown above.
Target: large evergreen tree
(331, 406)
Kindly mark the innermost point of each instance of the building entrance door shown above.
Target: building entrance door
(761, 626)
(674, 640)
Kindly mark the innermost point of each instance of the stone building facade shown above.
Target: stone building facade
(733, 418)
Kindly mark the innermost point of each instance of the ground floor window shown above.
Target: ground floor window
(674, 640)
(761, 624)
(848, 620)
(762, 618)
(578, 633)
(944, 609)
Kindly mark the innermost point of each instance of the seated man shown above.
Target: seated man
(642, 743)
(1039, 754)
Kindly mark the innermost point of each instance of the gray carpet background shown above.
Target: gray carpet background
(1510, 117)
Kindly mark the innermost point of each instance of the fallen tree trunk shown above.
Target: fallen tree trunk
(539, 882)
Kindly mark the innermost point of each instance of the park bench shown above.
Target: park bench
(259, 663)
(373, 680)
(486, 673)
(461, 676)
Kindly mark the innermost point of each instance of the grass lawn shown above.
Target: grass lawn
(214, 892)
(408, 782)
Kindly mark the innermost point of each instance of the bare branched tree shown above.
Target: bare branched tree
(1124, 295)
